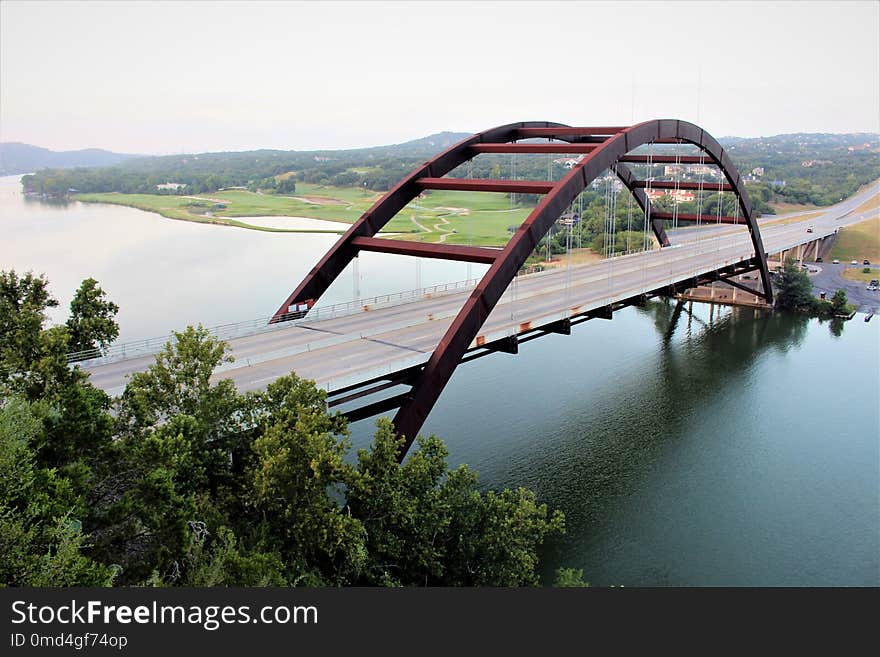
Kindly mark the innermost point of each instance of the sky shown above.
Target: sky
(171, 77)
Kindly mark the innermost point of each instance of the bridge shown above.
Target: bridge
(398, 352)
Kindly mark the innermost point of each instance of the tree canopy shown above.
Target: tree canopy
(184, 481)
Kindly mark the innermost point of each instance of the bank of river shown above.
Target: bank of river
(733, 448)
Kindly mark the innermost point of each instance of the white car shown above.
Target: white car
(835, 262)
(854, 262)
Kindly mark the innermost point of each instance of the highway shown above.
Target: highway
(343, 351)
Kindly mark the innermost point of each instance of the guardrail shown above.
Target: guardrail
(150, 346)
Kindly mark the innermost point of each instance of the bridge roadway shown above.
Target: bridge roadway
(344, 351)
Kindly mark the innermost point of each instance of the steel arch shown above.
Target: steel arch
(602, 147)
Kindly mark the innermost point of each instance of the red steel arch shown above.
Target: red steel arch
(602, 147)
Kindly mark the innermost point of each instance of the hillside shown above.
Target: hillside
(24, 158)
(375, 168)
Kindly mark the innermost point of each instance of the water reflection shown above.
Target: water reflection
(623, 432)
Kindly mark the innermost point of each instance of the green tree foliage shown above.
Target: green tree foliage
(92, 320)
(417, 516)
(794, 288)
(570, 578)
(794, 291)
(839, 303)
(190, 483)
(24, 346)
(41, 541)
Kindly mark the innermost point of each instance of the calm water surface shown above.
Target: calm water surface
(166, 274)
(724, 448)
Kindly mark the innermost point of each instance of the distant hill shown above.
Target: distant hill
(427, 146)
(16, 157)
(269, 170)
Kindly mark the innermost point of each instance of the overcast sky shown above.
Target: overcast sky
(170, 77)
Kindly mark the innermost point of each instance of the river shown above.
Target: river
(729, 447)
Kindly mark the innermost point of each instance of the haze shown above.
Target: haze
(170, 77)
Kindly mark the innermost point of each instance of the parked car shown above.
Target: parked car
(810, 229)
(866, 262)
(854, 262)
(835, 262)
(873, 286)
(819, 259)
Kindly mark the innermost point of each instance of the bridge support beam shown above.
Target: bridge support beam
(563, 327)
(605, 312)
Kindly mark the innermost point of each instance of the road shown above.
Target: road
(828, 278)
(343, 351)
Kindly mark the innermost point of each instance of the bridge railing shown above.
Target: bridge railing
(150, 346)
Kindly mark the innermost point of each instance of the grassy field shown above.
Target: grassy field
(856, 274)
(858, 242)
(453, 217)
(240, 204)
(870, 204)
(791, 220)
(785, 208)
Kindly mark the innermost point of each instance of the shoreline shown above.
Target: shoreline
(229, 222)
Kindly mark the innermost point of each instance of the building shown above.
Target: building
(704, 170)
(677, 195)
(599, 183)
(171, 186)
(758, 171)
(568, 162)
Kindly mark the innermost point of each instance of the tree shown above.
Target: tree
(427, 525)
(24, 301)
(795, 290)
(41, 539)
(92, 321)
(570, 578)
(839, 303)
(287, 185)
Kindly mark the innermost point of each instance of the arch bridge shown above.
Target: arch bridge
(600, 149)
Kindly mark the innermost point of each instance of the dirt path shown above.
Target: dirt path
(444, 232)
(420, 226)
(206, 198)
(320, 200)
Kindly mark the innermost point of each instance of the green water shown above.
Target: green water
(739, 449)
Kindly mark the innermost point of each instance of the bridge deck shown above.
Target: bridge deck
(344, 351)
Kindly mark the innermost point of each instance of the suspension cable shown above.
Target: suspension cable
(629, 219)
(648, 205)
(700, 197)
(677, 192)
(718, 211)
(467, 221)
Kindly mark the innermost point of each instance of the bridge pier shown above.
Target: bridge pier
(730, 293)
